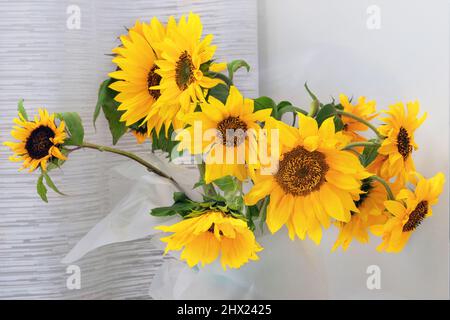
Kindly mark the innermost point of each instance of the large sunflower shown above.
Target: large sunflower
(313, 181)
(399, 130)
(363, 109)
(210, 234)
(408, 211)
(232, 123)
(136, 74)
(371, 207)
(39, 140)
(183, 53)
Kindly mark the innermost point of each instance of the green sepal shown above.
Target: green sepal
(74, 126)
(21, 109)
(369, 153)
(41, 189)
(109, 105)
(235, 65)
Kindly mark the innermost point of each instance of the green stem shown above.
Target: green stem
(315, 104)
(385, 185)
(263, 210)
(129, 155)
(208, 189)
(360, 144)
(367, 123)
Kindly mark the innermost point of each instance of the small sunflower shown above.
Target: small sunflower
(183, 53)
(365, 110)
(314, 180)
(39, 140)
(399, 130)
(232, 123)
(136, 74)
(408, 211)
(140, 133)
(371, 207)
(210, 234)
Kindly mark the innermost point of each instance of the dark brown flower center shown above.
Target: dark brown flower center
(184, 71)
(38, 143)
(416, 216)
(367, 187)
(403, 143)
(232, 131)
(301, 172)
(153, 79)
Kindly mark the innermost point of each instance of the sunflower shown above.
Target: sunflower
(314, 179)
(231, 124)
(140, 133)
(399, 130)
(39, 140)
(210, 234)
(371, 207)
(183, 53)
(408, 211)
(363, 109)
(136, 74)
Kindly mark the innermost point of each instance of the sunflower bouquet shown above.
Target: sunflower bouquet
(339, 164)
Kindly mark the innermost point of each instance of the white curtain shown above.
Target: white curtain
(51, 65)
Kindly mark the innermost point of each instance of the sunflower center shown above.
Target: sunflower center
(403, 143)
(232, 131)
(184, 71)
(416, 216)
(38, 143)
(153, 79)
(301, 172)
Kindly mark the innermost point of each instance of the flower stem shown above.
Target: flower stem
(385, 185)
(367, 123)
(129, 155)
(360, 144)
(208, 189)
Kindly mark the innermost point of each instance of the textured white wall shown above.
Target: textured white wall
(47, 64)
(328, 44)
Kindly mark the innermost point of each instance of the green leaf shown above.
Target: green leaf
(180, 197)
(199, 183)
(286, 106)
(181, 208)
(369, 154)
(165, 143)
(264, 103)
(74, 126)
(22, 110)
(101, 96)
(50, 184)
(109, 106)
(235, 65)
(227, 184)
(338, 123)
(325, 112)
(41, 189)
(219, 92)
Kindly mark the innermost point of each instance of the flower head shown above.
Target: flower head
(407, 212)
(39, 140)
(371, 207)
(363, 109)
(183, 52)
(399, 144)
(314, 180)
(213, 233)
(232, 124)
(136, 75)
